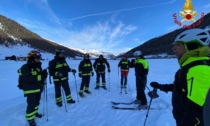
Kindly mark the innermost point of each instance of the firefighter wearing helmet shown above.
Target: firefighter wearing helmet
(32, 78)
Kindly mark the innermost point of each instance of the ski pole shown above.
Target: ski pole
(76, 86)
(118, 77)
(109, 81)
(128, 84)
(46, 100)
(50, 79)
(154, 90)
(62, 90)
(148, 88)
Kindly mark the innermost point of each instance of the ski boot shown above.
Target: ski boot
(71, 101)
(97, 87)
(142, 106)
(81, 95)
(87, 91)
(32, 123)
(104, 87)
(59, 104)
(38, 115)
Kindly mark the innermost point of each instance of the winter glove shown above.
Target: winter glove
(132, 61)
(80, 75)
(109, 70)
(58, 74)
(73, 70)
(44, 73)
(155, 84)
(92, 74)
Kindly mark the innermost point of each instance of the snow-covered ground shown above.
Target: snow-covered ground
(95, 109)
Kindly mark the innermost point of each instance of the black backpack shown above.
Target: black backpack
(51, 65)
(20, 80)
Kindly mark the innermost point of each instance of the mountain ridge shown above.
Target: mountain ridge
(163, 43)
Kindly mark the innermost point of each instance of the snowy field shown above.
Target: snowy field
(94, 109)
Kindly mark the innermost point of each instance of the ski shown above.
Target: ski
(132, 108)
(122, 103)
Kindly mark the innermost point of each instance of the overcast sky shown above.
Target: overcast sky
(107, 25)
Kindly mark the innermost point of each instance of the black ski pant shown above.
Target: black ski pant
(102, 75)
(32, 105)
(85, 83)
(140, 88)
(65, 85)
(123, 81)
(192, 117)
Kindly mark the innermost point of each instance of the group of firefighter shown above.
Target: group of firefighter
(189, 89)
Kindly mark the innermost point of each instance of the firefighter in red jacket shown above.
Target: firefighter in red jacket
(32, 80)
(124, 68)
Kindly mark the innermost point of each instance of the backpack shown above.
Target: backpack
(20, 80)
(51, 64)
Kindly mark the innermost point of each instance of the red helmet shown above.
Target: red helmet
(124, 55)
(34, 54)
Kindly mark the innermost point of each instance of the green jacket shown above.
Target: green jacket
(198, 76)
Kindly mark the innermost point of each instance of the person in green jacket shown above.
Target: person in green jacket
(192, 80)
(32, 77)
(141, 67)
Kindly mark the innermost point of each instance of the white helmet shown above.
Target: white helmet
(137, 53)
(194, 35)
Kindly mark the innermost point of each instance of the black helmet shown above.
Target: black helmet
(101, 56)
(34, 54)
(59, 51)
(86, 55)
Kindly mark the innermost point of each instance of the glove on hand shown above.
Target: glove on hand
(155, 84)
(60, 74)
(73, 70)
(44, 73)
(133, 60)
(80, 75)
